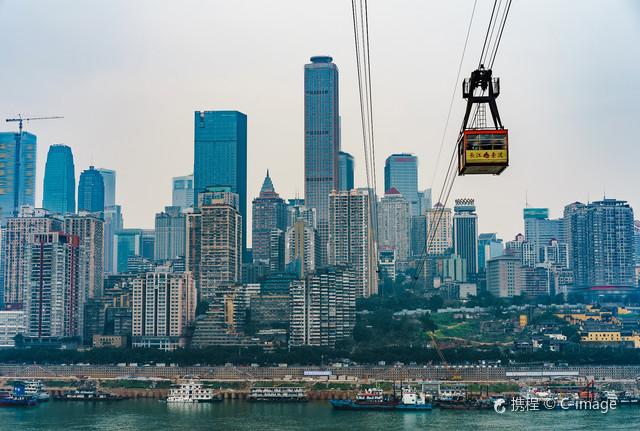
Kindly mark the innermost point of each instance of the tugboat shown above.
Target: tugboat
(370, 399)
(279, 394)
(17, 398)
(413, 401)
(35, 389)
(192, 391)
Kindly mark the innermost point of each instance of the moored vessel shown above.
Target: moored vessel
(17, 398)
(279, 394)
(192, 391)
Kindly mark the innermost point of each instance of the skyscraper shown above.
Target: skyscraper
(269, 213)
(91, 191)
(394, 224)
(602, 245)
(439, 236)
(351, 238)
(489, 246)
(59, 193)
(220, 156)
(182, 191)
(465, 234)
(127, 243)
(539, 230)
(109, 180)
(112, 224)
(321, 141)
(345, 171)
(401, 173)
(17, 172)
(89, 230)
(301, 248)
(170, 232)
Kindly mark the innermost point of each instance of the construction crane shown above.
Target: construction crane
(16, 178)
(454, 374)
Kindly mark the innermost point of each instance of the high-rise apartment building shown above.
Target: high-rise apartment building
(401, 173)
(269, 213)
(220, 156)
(182, 191)
(109, 181)
(170, 234)
(505, 277)
(321, 141)
(394, 224)
(89, 229)
(112, 224)
(17, 172)
(539, 230)
(351, 238)
(15, 243)
(301, 248)
(346, 168)
(163, 305)
(59, 192)
(91, 191)
(439, 235)
(55, 294)
(465, 234)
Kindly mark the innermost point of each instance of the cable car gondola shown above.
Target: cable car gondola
(481, 149)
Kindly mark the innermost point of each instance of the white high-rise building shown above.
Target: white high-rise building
(394, 224)
(182, 191)
(439, 235)
(12, 323)
(301, 242)
(170, 232)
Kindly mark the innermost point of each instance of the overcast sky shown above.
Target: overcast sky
(128, 74)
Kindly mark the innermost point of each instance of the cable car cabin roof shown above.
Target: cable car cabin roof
(483, 152)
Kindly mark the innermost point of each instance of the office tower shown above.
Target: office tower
(387, 259)
(217, 243)
(489, 246)
(55, 294)
(112, 224)
(269, 213)
(276, 250)
(539, 230)
(439, 235)
(301, 212)
(90, 232)
(636, 240)
(323, 307)
(301, 248)
(182, 191)
(91, 191)
(505, 276)
(401, 173)
(346, 167)
(12, 323)
(514, 247)
(59, 192)
(127, 243)
(170, 232)
(321, 141)
(15, 243)
(109, 181)
(395, 224)
(424, 199)
(163, 306)
(602, 243)
(351, 238)
(148, 244)
(17, 172)
(556, 253)
(220, 157)
(465, 234)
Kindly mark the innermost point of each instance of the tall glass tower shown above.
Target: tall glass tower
(321, 141)
(91, 191)
(59, 195)
(17, 172)
(345, 171)
(220, 156)
(109, 180)
(401, 173)
(465, 234)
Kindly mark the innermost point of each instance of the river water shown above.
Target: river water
(142, 415)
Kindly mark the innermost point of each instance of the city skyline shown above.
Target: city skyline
(101, 135)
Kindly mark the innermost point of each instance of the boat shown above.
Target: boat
(35, 389)
(192, 391)
(628, 399)
(17, 398)
(89, 395)
(370, 399)
(413, 400)
(279, 394)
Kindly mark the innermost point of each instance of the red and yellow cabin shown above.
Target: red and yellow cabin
(483, 152)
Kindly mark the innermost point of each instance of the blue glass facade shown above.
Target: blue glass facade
(345, 171)
(17, 172)
(401, 173)
(59, 192)
(220, 155)
(321, 141)
(91, 191)
(109, 180)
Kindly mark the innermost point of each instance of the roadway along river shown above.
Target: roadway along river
(142, 415)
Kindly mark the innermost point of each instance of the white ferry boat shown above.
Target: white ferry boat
(278, 394)
(35, 389)
(192, 391)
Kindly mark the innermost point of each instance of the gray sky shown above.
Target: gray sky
(127, 75)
